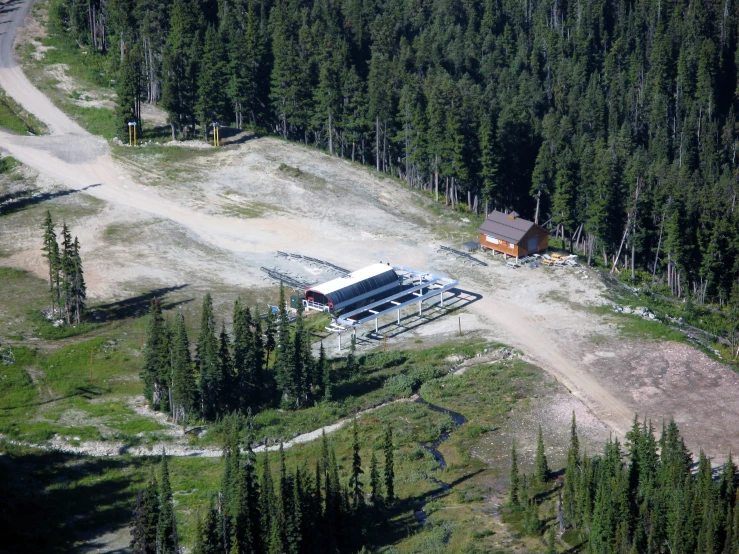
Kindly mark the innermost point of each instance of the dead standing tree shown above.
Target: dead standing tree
(630, 226)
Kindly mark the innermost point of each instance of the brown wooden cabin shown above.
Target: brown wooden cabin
(512, 235)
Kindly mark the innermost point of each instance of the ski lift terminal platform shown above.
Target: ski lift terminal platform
(377, 290)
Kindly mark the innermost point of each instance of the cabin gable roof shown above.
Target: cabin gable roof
(502, 226)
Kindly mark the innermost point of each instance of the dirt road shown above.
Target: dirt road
(393, 227)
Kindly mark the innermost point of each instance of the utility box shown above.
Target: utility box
(295, 300)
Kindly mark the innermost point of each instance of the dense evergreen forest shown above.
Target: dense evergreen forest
(611, 120)
(650, 497)
(232, 373)
(304, 511)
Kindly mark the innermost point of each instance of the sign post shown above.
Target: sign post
(132, 133)
(216, 133)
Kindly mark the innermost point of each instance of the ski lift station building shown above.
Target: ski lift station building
(359, 287)
(374, 291)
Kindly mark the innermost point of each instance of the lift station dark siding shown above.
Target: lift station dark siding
(369, 288)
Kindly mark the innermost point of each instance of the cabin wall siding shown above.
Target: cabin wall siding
(518, 250)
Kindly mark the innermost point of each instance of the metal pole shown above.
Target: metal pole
(398, 316)
(419, 308)
(376, 330)
(441, 295)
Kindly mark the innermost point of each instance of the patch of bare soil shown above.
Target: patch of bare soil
(551, 407)
(668, 379)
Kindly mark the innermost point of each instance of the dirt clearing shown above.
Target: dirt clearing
(213, 219)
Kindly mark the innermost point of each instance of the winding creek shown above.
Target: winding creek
(433, 449)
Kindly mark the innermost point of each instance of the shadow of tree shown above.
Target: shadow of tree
(52, 500)
(87, 392)
(400, 521)
(232, 135)
(11, 203)
(135, 306)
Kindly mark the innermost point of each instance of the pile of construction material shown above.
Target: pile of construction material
(560, 260)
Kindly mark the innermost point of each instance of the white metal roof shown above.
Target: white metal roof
(355, 277)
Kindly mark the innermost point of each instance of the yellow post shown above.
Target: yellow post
(214, 135)
(130, 136)
(134, 133)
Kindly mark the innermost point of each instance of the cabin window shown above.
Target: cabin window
(492, 240)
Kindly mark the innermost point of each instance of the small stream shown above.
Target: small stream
(433, 449)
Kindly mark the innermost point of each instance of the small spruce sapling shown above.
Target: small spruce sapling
(513, 496)
(542, 466)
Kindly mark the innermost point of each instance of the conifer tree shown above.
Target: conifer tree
(77, 286)
(208, 539)
(513, 495)
(156, 371)
(269, 336)
(262, 382)
(318, 374)
(167, 539)
(389, 470)
(300, 362)
(210, 105)
(51, 249)
(139, 538)
(542, 467)
(356, 485)
(249, 534)
(228, 398)
(242, 355)
(146, 519)
(351, 360)
(181, 64)
(211, 374)
(532, 523)
(572, 474)
(551, 541)
(488, 161)
(267, 504)
(375, 483)
(184, 388)
(67, 270)
(327, 379)
(129, 91)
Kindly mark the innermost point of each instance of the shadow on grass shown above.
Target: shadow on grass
(401, 520)
(14, 203)
(136, 306)
(346, 388)
(51, 501)
(88, 393)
